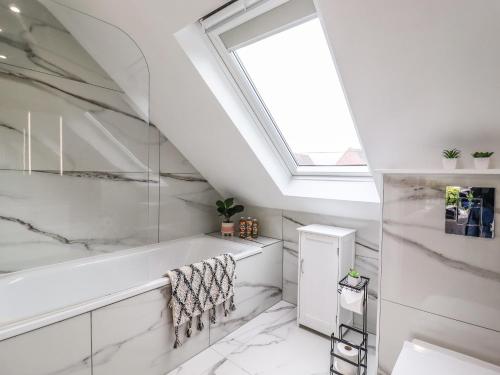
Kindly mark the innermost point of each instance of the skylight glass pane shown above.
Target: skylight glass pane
(295, 77)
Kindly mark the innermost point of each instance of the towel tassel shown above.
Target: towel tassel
(213, 319)
(189, 331)
(226, 311)
(232, 306)
(200, 324)
(177, 343)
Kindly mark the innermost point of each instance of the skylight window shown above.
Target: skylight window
(281, 61)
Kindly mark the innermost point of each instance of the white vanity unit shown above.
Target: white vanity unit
(326, 254)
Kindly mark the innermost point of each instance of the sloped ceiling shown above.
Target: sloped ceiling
(419, 75)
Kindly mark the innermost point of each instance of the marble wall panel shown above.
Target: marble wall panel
(258, 287)
(399, 323)
(111, 194)
(136, 336)
(186, 205)
(446, 287)
(48, 218)
(100, 132)
(36, 40)
(59, 349)
(426, 268)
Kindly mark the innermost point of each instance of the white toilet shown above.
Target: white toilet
(419, 357)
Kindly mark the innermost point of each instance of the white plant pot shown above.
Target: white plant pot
(481, 163)
(353, 280)
(450, 163)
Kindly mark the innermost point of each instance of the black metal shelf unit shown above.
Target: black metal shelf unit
(362, 346)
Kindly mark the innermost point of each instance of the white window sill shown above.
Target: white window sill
(354, 189)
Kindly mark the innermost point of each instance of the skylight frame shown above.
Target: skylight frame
(241, 80)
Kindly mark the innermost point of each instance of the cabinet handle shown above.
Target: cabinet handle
(302, 266)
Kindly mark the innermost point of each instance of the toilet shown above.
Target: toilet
(419, 357)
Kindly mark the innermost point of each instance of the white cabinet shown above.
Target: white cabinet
(325, 255)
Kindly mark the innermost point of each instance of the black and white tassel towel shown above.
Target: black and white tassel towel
(200, 287)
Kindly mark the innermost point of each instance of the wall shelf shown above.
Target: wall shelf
(440, 171)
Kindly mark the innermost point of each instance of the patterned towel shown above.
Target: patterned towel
(200, 287)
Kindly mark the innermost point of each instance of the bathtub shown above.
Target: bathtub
(42, 296)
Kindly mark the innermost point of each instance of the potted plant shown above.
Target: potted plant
(227, 209)
(482, 159)
(353, 277)
(450, 158)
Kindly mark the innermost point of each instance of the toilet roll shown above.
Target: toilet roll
(347, 352)
(351, 300)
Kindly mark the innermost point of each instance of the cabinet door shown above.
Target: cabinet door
(318, 269)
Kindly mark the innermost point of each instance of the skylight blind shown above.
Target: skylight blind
(268, 23)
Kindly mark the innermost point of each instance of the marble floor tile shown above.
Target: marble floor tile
(272, 343)
(257, 325)
(208, 362)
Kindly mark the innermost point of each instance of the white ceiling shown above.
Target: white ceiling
(419, 75)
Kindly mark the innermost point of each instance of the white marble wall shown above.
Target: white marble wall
(438, 287)
(258, 286)
(136, 336)
(59, 349)
(283, 224)
(122, 184)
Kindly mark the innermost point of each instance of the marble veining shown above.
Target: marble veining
(50, 88)
(99, 175)
(453, 263)
(271, 343)
(123, 183)
(9, 127)
(463, 306)
(183, 177)
(67, 354)
(28, 39)
(36, 230)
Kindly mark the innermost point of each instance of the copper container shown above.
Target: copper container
(255, 228)
(243, 227)
(248, 227)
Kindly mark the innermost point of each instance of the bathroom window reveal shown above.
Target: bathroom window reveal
(280, 60)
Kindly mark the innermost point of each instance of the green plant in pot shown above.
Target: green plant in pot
(353, 277)
(450, 158)
(482, 159)
(227, 209)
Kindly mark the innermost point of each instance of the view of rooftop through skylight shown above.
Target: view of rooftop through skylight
(294, 74)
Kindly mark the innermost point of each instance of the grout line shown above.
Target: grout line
(440, 315)
(282, 257)
(91, 345)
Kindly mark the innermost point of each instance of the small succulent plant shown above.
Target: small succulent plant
(353, 273)
(451, 153)
(482, 154)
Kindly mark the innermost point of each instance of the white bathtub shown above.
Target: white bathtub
(34, 298)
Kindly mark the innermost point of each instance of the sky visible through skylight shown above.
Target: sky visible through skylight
(295, 76)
